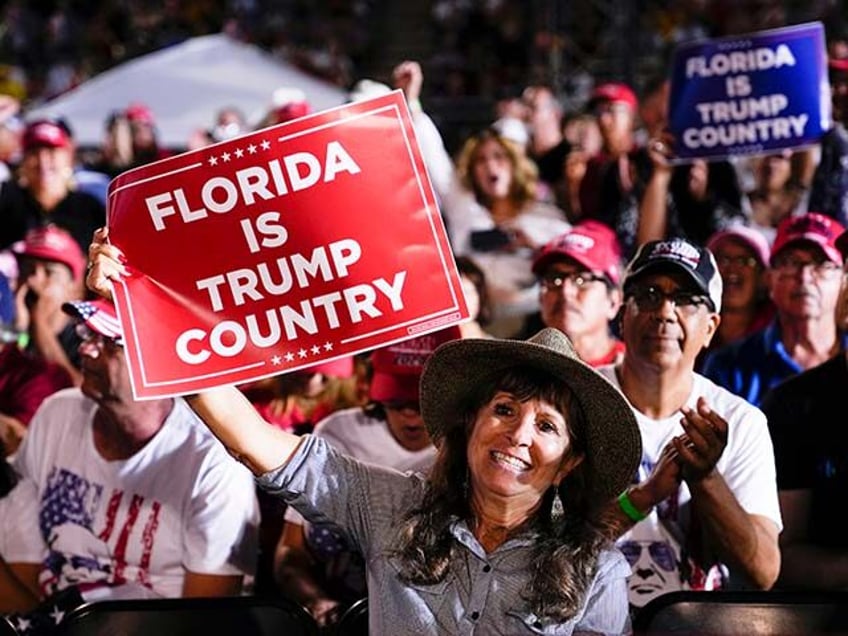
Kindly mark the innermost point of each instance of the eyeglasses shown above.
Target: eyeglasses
(793, 266)
(86, 334)
(556, 280)
(745, 262)
(652, 299)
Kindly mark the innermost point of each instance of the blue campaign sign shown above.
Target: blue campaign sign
(750, 94)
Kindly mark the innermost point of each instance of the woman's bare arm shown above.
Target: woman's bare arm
(226, 411)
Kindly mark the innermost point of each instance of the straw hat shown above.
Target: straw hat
(613, 442)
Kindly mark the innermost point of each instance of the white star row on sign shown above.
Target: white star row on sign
(291, 356)
(252, 149)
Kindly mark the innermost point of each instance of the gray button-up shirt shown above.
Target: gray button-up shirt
(482, 594)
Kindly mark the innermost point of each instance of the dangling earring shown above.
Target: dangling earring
(557, 507)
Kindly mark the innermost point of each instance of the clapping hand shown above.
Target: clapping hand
(703, 444)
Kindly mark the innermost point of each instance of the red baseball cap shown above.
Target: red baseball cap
(838, 64)
(288, 103)
(398, 367)
(141, 113)
(615, 92)
(290, 111)
(811, 227)
(52, 243)
(591, 243)
(44, 133)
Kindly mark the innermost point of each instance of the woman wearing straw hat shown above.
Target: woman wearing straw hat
(506, 534)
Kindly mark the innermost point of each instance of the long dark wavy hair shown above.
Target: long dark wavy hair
(570, 538)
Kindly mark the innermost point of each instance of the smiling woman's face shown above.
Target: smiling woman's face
(518, 449)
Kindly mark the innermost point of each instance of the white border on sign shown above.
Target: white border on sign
(442, 316)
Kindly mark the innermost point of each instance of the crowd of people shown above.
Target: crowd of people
(472, 49)
(617, 420)
(48, 48)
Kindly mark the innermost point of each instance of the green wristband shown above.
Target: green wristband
(629, 509)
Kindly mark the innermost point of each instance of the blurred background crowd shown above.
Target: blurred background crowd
(473, 52)
(543, 125)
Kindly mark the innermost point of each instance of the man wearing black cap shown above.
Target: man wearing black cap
(704, 501)
(120, 498)
(812, 478)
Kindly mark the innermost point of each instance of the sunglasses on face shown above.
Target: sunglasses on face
(653, 298)
(660, 553)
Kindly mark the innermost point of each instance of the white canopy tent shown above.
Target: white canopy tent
(185, 85)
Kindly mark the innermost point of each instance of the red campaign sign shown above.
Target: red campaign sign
(286, 247)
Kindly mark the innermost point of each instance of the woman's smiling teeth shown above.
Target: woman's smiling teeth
(509, 460)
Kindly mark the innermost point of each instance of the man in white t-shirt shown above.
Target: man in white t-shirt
(121, 498)
(703, 511)
(314, 563)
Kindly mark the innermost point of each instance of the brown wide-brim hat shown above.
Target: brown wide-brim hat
(613, 442)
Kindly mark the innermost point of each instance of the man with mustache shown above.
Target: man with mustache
(706, 484)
